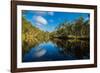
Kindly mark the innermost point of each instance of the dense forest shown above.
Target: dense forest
(76, 29)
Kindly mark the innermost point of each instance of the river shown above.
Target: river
(57, 50)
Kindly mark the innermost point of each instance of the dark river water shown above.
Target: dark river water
(57, 50)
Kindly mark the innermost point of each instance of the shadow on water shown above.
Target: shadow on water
(57, 49)
(77, 48)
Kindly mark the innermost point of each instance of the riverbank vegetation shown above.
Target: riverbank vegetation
(77, 29)
(31, 35)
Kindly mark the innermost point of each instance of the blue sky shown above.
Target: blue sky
(49, 20)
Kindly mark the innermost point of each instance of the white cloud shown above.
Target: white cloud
(40, 20)
(37, 23)
(87, 18)
(51, 13)
(43, 13)
(40, 13)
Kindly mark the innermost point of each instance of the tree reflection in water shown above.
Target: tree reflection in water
(57, 49)
(77, 48)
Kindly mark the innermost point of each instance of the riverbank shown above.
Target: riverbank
(72, 37)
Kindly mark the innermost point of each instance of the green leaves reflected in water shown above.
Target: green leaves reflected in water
(77, 48)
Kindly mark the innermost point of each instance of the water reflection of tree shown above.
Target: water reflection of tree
(78, 49)
(29, 47)
(26, 46)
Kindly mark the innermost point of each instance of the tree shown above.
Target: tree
(77, 26)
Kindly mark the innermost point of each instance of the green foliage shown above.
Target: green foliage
(31, 36)
(75, 29)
